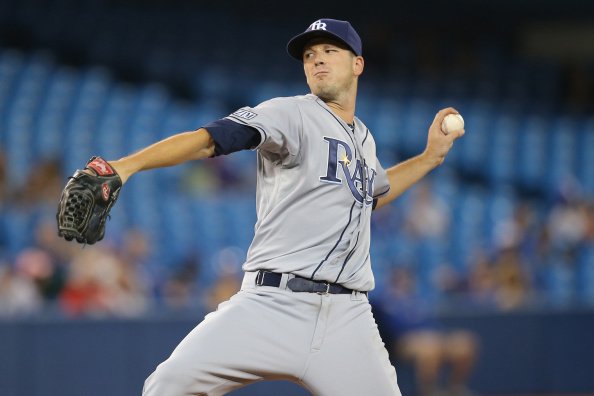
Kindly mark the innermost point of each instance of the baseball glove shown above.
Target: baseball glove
(86, 201)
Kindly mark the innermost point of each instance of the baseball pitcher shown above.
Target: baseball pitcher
(302, 313)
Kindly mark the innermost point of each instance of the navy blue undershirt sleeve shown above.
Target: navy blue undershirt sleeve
(230, 136)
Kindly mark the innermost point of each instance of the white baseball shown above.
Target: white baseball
(452, 123)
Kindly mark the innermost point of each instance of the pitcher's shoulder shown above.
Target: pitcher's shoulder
(288, 101)
(288, 104)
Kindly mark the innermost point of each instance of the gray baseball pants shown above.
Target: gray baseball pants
(327, 343)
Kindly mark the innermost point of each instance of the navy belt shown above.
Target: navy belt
(301, 285)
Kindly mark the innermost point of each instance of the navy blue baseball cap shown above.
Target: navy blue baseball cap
(333, 28)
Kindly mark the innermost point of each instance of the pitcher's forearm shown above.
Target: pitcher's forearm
(406, 174)
(174, 150)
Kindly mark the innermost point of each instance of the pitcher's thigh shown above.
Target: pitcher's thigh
(227, 350)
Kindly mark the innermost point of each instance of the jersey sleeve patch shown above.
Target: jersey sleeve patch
(245, 114)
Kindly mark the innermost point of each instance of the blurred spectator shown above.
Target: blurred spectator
(502, 281)
(200, 178)
(42, 186)
(413, 333)
(512, 284)
(225, 286)
(39, 267)
(45, 260)
(428, 216)
(217, 174)
(180, 289)
(100, 283)
(589, 226)
(481, 280)
(3, 179)
(227, 265)
(135, 255)
(448, 282)
(519, 231)
(567, 224)
(18, 293)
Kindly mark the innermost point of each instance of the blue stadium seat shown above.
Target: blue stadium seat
(585, 274)
(386, 124)
(468, 219)
(176, 230)
(532, 156)
(214, 81)
(585, 167)
(503, 153)
(445, 184)
(208, 227)
(500, 205)
(18, 142)
(474, 148)
(240, 218)
(419, 113)
(560, 279)
(562, 152)
(18, 229)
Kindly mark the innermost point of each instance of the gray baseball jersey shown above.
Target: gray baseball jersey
(317, 178)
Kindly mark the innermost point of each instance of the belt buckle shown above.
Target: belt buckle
(327, 289)
(260, 278)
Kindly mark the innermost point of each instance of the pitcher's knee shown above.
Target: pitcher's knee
(171, 379)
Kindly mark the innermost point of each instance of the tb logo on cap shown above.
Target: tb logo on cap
(317, 25)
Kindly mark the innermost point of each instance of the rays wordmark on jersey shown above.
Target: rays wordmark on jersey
(359, 181)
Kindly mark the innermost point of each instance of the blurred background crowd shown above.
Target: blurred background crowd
(507, 223)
